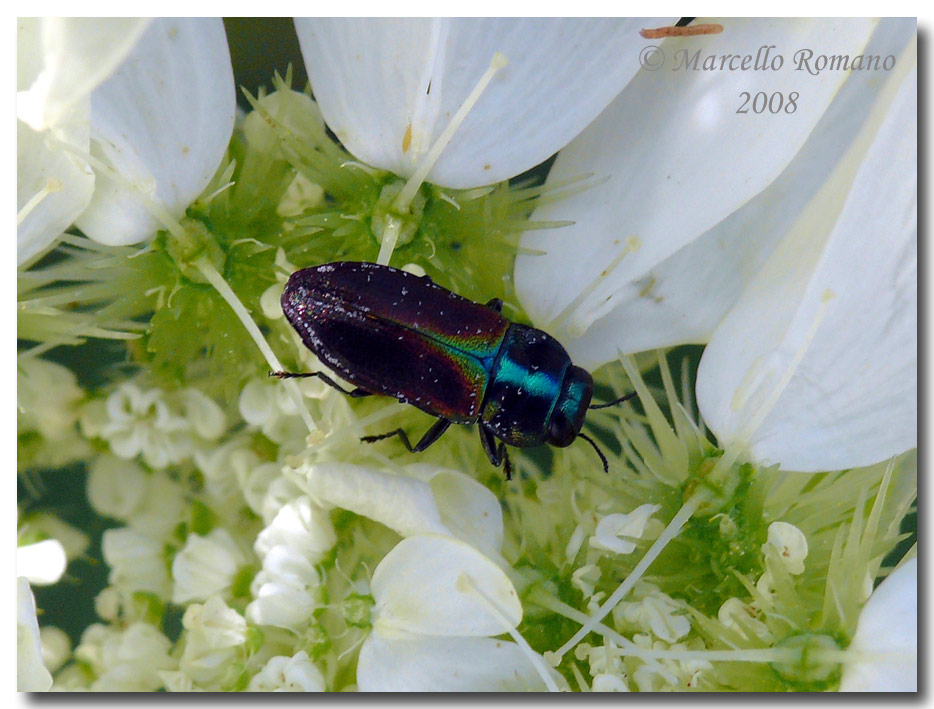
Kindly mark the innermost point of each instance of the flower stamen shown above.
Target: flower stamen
(536, 660)
(404, 199)
(52, 184)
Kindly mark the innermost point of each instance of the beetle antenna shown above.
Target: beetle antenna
(620, 400)
(606, 466)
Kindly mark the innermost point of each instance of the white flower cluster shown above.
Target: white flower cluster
(165, 428)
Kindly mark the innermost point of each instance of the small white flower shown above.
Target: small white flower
(176, 681)
(116, 487)
(615, 531)
(657, 613)
(47, 395)
(31, 674)
(206, 566)
(285, 591)
(299, 525)
(268, 406)
(790, 544)
(125, 660)
(585, 578)
(226, 469)
(165, 428)
(140, 422)
(203, 415)
(288, 674)
(56, 647)
(885, 645)
(136, 560)
(736, 614)
(608, 683)
(266, 490)
(213, 632)
(667, 674)
(163, 507)
(107, 603)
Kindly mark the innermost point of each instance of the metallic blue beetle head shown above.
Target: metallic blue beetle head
(571, 409)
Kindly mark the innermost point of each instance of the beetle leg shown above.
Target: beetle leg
(353, 393)
(495, 452)
(432, 435)
(495, 304)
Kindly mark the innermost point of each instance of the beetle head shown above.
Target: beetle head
(568, 415)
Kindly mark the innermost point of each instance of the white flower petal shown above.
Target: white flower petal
(162, 121)
(214, 624)
(205, 566)
(280, 603)
(136, 561)
(31, 674)
(202, 414)
(372, 79)
(887, 624)
(468, 509)
(614, 531)
(65, 58)
(815, 367)
(54, 183)
(116, 487)
(436, 585)
(683, 298)
(403, 504)
(427, 664)
(42, 563)
(678, 159)
(790, 544)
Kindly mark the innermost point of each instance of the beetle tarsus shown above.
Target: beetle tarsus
(432, 435)
(353, 393)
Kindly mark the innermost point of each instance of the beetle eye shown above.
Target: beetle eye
(561, 432)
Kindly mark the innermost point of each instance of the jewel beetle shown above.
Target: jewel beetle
(390, 332)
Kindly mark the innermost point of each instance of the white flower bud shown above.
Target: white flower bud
(56, 647)
(116, 487)
(604, 682)
(214, 631)
(288, 674)
(136, 561)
